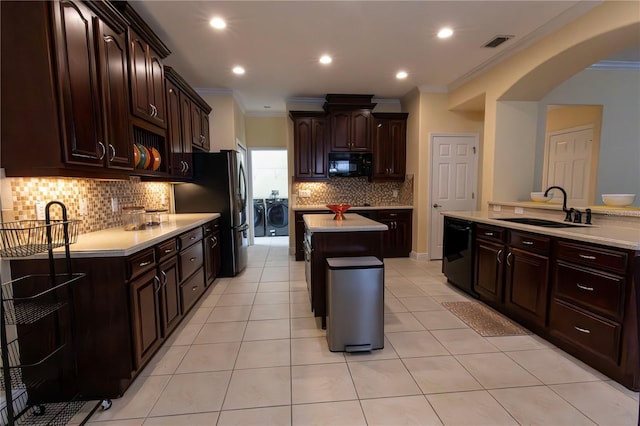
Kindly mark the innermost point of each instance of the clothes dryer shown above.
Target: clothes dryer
(277, 216)
(259, 220)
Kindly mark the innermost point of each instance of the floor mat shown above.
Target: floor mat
(484, 320)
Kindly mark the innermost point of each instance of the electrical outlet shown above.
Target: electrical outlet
(497, 208)
(83, 207)
(114, 204)
(394, 193)
(304, 193)
(40, 207)
(518, 210)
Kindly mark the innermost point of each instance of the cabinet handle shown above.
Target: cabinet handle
(586, 256)
(582, 330)
(104, 150)
(193, 237)
(164, 275)
(155, 111)
(489, 234)
(214, 242)
(193, 259)
(529, 243)
(145, 263)
(182, 163)
(152, 108)
(113, 152)
(498, 256)
(584, 287)
(194, 288)
(168, 250)
(186, 165)
(156, 280)
(170, 90)
(393, 214)
(508, 257)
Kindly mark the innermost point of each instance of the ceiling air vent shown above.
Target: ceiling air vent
(498, 40)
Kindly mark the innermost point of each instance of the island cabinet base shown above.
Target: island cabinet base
(337, 244)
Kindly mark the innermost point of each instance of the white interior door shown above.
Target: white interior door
(569, 165)
(454, 181)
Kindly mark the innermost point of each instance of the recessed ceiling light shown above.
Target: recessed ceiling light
(325, 59)
(238, 70)
(401, 75)
(218, 23)
(445, 32)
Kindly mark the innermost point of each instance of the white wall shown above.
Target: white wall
(515, 149)
(619, 93)
(269, 171)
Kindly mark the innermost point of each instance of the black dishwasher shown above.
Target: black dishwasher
(457, 256)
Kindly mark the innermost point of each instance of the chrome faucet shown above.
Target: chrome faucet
(568, 212)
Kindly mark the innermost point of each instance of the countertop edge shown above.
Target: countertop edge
(79, 251)
(363, 224)
(577, 234)
(353, 208)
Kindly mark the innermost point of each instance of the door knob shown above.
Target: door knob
(435, 206)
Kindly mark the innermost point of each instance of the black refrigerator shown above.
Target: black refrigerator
(220, 186)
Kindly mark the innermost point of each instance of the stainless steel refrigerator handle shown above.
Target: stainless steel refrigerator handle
(242, 183)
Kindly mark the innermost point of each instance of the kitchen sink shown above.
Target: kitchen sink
(541, 222)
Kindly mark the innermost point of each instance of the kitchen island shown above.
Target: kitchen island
(575, 285)
(325, 237)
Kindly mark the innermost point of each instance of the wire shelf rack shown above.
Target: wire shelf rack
(27, 309)
(29, 237)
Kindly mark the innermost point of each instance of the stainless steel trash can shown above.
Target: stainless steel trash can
(355, 304)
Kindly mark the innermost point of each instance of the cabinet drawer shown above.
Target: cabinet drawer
(491, 233)
(191, 290)
(394, 214)
(189, 238)
(591, 333)
(211, 227)
(593, 257)
(190, 260)
(166, 249)
(591, 289)
(140, 262)
(530, 242)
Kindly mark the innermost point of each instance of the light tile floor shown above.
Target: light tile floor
(251, 353)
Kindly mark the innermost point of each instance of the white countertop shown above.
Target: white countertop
(352, 222)
(324, 207)
(116, 242)
(608, 235)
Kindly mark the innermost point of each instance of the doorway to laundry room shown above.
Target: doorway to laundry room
(269, 178)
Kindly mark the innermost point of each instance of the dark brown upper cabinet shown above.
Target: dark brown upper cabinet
(349, 122)
(67, 88)
(188, 123)
(310, 145)
(147, 81)
(351, 131)
(389, 146)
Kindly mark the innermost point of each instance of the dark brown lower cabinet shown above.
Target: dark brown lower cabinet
(212, 252)
(145, 316)
(581, 297)
(489, 277)
(527, 286)
(127, 306)
(169, 295)
(397, 239)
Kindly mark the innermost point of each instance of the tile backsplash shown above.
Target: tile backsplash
(20, 195)
(354, 191)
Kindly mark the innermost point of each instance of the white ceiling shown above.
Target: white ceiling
(279, 43)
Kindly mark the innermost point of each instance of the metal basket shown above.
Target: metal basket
(29, 237)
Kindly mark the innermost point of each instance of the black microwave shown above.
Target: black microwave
(345, 164)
